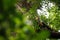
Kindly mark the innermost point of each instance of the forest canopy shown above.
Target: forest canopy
(29, 19)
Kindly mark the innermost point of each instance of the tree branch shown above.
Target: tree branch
(53, 33)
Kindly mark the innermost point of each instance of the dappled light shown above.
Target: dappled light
(29, 20)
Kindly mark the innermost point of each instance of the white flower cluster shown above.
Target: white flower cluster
(44, 8)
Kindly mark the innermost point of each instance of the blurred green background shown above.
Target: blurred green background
(19, 19)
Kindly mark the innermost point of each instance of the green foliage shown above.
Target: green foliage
(43, 35)
(16, 23)
(54, 17)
